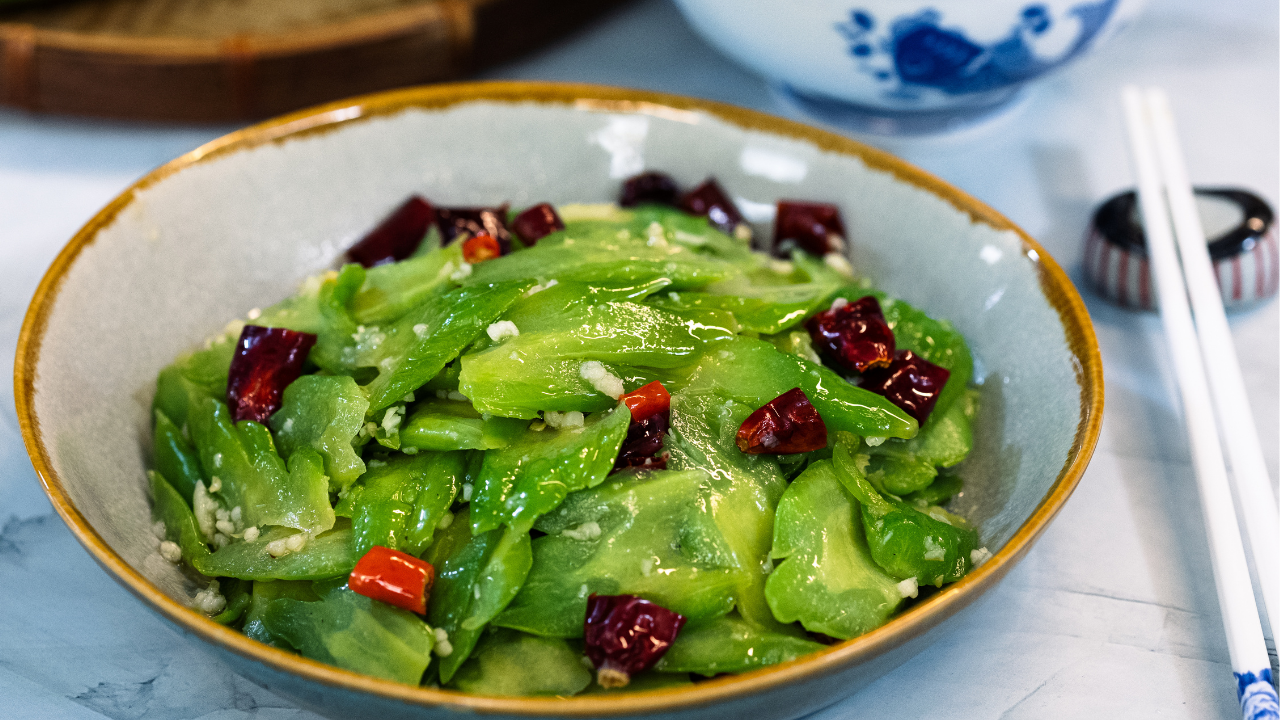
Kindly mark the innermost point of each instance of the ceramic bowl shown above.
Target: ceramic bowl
(905, 65)
(239, 222)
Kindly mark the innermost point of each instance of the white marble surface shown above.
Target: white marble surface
(1112, 614)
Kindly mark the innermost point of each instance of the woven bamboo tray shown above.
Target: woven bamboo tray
(225, 60)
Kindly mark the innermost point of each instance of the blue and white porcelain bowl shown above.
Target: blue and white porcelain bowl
(905, 65)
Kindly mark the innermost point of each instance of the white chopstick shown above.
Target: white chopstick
(1248, 468)
(1245, 643)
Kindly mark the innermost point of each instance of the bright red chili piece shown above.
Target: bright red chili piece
(454, 222)
(910, 382)
(265, 362)
(394, 577)
(709, 199)
(786, 424)
(650, 187)
(396, 237)
(813, 227)
(625, 635)
(536, 223)
(647, 400)
(480, 248)
(854, 336)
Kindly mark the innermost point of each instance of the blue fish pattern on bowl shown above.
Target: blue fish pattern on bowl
(917, 53)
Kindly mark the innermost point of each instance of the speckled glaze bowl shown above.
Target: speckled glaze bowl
(239, 222)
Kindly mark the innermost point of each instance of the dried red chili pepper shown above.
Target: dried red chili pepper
(265, 362)
(649, 187)
(396, 237)
(813, 227)
(786, 424)
(490, 221)
(625, 635)
(394, 577)
(910, 382)
(536, 223)
(643, 442)
(854, 336)
(650, 408)
(480, 248)
(709, 199)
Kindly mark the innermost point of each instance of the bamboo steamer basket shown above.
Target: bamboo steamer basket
(230, 60)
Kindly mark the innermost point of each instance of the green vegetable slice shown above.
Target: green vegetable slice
(415, 348)
(731, 644)
(455, 425)
(254, 478)
(398, 503)
(511, 663)
(174, 456)
(932, 546)
(753, 372)
(533, 475)
(324, 413)
(476, 577)
(653, 536)
(547, 364)
(827, 580)
(743, 490)
(351, 631)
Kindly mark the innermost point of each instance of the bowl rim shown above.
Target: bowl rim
(1054, 283)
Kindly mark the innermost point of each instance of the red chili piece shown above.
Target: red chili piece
(643, 443)
(536, 223)
(710, 200)
(854, 337)
(474, 221)
(480, 248)
(625, 635)
(647, 400)
(266, 361)
(393, 577)
(786, 424)
(650, 408)
(814, 227)
(910, 382)
(396, 237)
(650, 187)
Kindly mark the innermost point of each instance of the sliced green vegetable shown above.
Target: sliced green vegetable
(353, 632)
(545, 363)
(476, 577)
(827, 580)
(753, 372)
(731, 644)
(174, 456)
(743, 491)
(324, 413)
(931, 546)
(531, 476)
(254, 478)
(398, 503)
(904, 466)
(511, 663)
(263, 594)
(653, 536)
(415, 348)
(391, 290)
(455, 425)
(326, 555)
(239, 595)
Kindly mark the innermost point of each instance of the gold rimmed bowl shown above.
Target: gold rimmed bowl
(238, 223)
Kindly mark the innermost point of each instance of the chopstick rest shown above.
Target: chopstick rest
(1242, 244)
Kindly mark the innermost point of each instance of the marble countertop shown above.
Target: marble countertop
(1112, 614)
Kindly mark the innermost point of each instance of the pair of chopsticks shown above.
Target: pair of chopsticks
(1204, 357)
